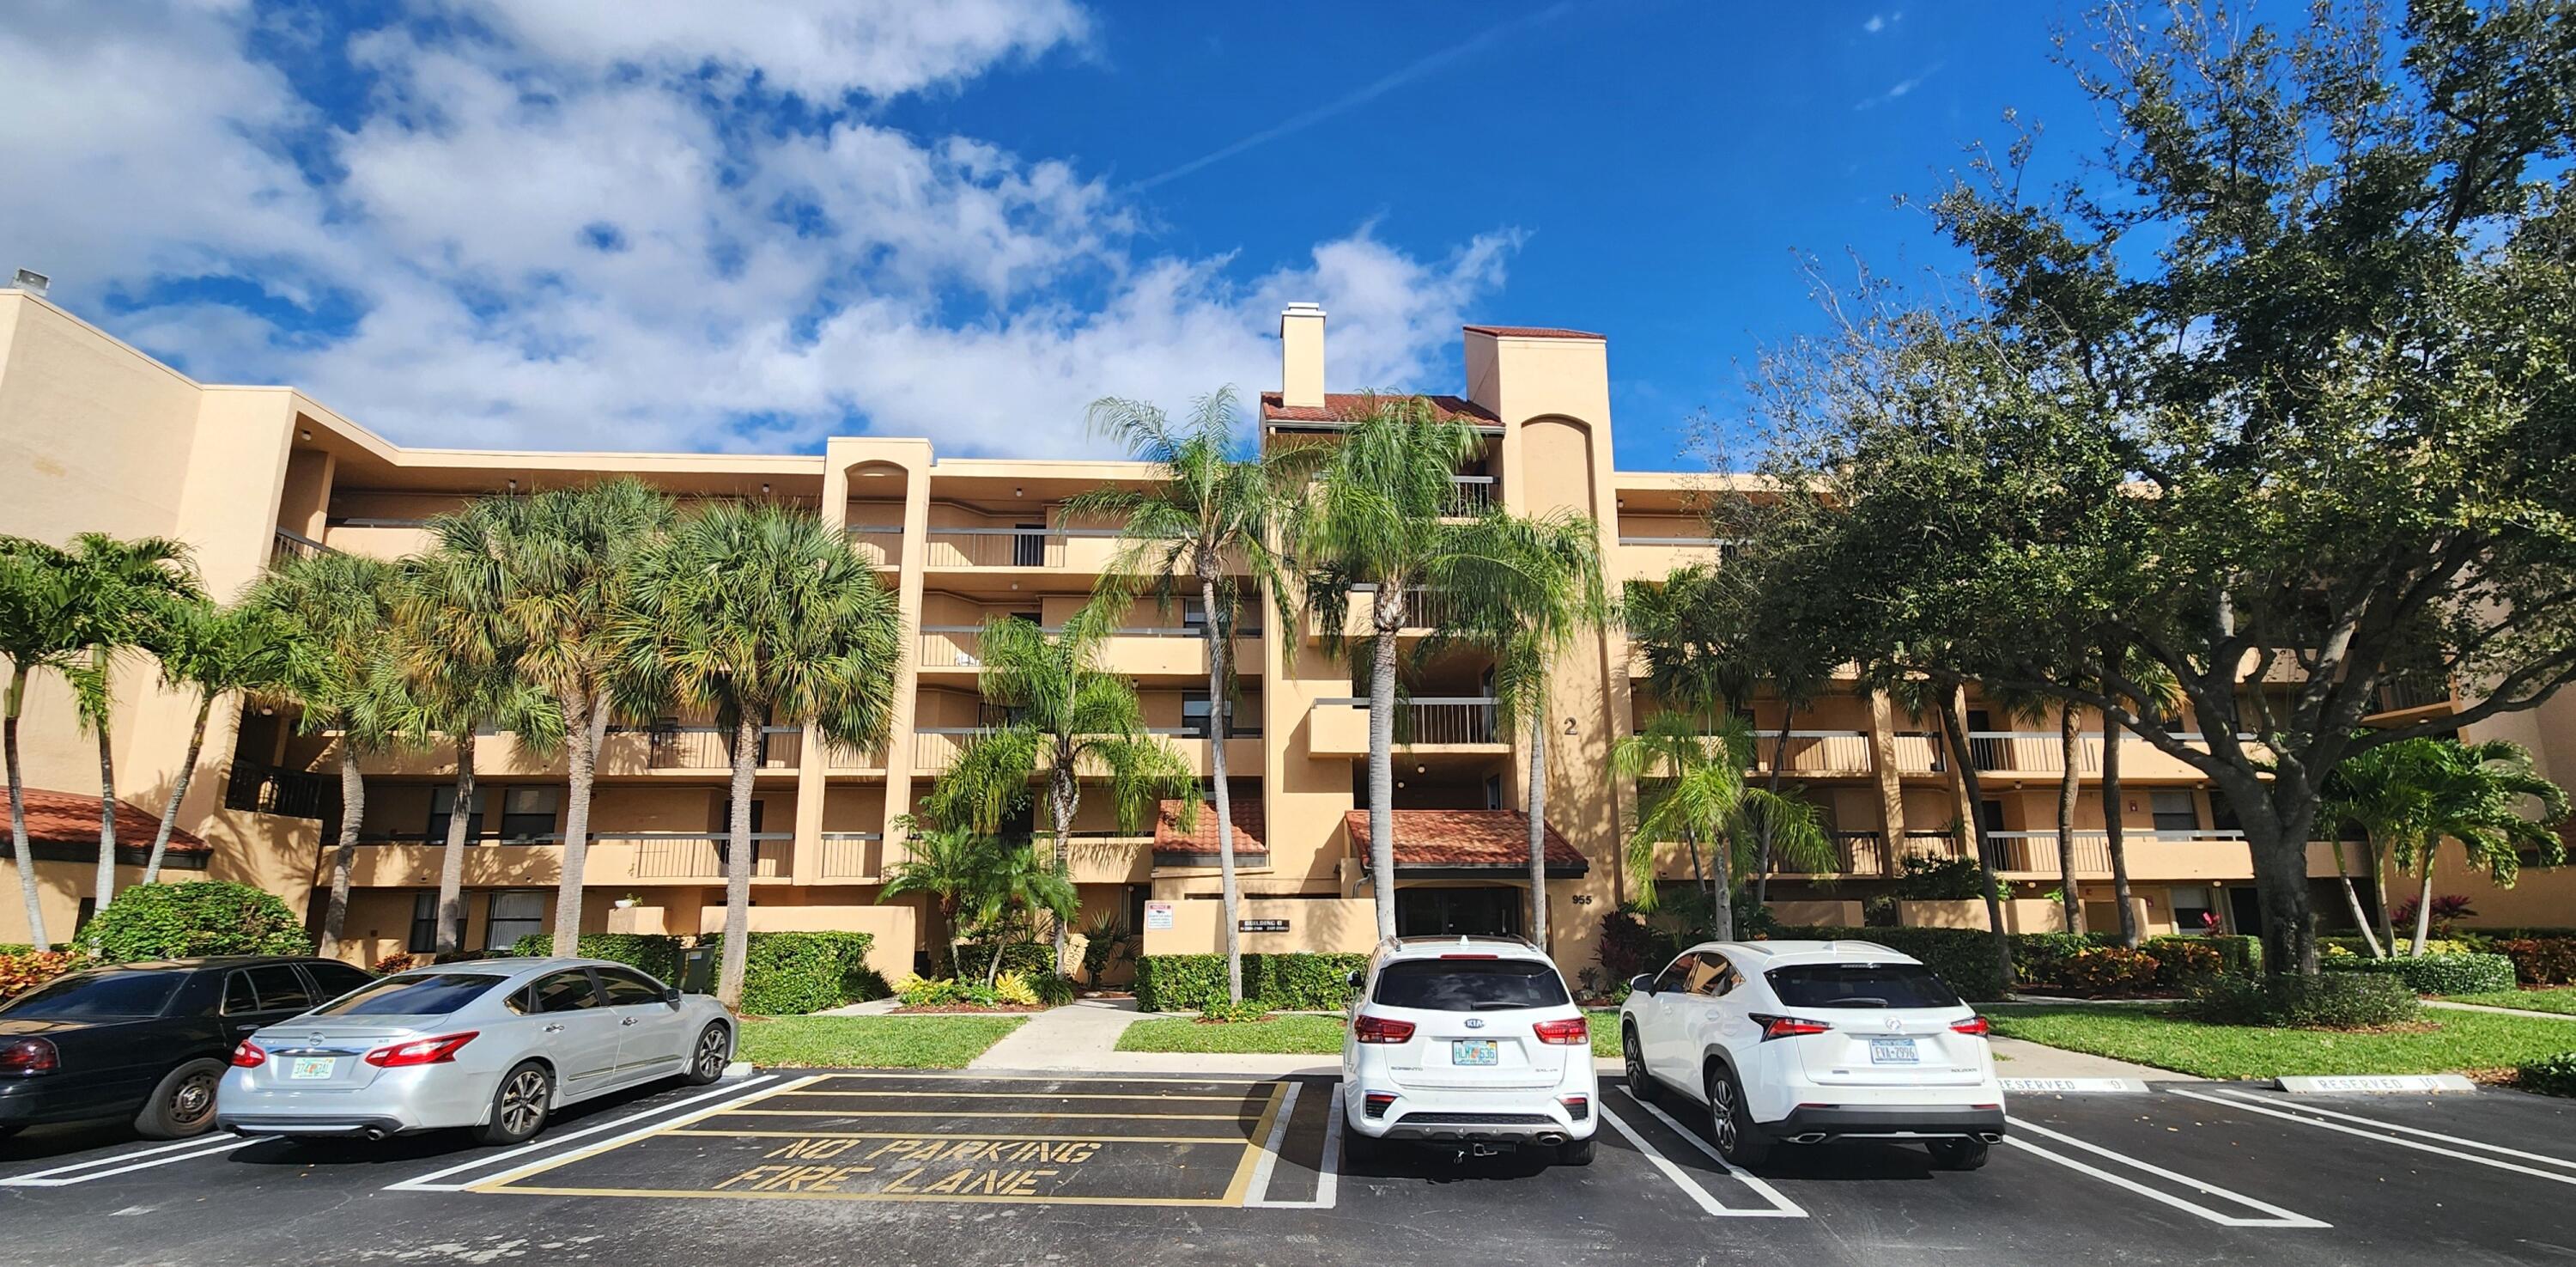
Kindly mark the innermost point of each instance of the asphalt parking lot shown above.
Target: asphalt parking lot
(950, 1168)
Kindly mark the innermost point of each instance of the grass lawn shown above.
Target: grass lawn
(2562, 1000)
(2462, 1041)
(872, 1042)
(1293, 1035)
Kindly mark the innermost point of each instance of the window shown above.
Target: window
(1493, 791)
(1197, 715)
(1675, 973)
(2193, 912)
(626, 987)
(281, 988)
(424, 924)
(442, 807)
(331, 980)
(724, 831)
(1859, 985)
(87, 994)
(1710, 975)
(2176, 809)
(413, 994)
(512, 915)
(563, 992)
(239, 998)
(1990, 815)
(527, 813)
(1470, 985)
(1028, 546)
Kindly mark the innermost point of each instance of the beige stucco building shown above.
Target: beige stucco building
(95, 435)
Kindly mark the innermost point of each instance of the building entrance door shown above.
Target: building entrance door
(1482, 911)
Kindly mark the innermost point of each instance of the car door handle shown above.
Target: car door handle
(554, 1029)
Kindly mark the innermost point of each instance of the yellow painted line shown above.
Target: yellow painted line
(1236, 1191)
(633, 1137)
(1042, 1117)
(865, 1196)
(1069, 1139)
(1042, 1095)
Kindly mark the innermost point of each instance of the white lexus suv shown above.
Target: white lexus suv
(1807, 1041)
(1471, 1043)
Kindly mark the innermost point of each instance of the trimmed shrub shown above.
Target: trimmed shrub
(2540, 960)
(1294, 982)
(2039, 958)
(945, 992)
(2331, 1000)
(1028, 958)
(192, 919)
(2108, 970)
(789, 974)
(2237, 953)
(1962, 957)
(2554, 1076)
(27, 970)
(2184, 964)
(1235, 1013)
(652, 953)
(2436, 974)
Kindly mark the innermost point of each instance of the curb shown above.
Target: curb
(737, 1070)
(2074, 1086)
(2376, 1084)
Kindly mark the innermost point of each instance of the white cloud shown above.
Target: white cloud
(1877, 23)
(549, 241)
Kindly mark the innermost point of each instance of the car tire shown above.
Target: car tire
(1632, 1060)
(183, 1102)
(1361, 1149)
(520, 1105)
(1958, 1154)
(709, 1054)
(1730, 1121)
(1574, 1152)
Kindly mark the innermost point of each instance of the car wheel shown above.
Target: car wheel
(183, 1105)
(1958, 1154)
(1730, 1122)
(519, 1105)
(709, 1056)
(1574, 1152)
(1632, 1057)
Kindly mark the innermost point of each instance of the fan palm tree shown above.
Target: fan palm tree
(1024, 881)
(1207, 509)
(951, 867)
(215, 651)
(2385, 793)
(331, 612)
(39, 630)
(1376, 516)
(761, 614)
(2475, 795)
(1065, 717)
(127, 589)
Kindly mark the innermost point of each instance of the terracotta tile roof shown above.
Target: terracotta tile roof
(69, 818)
(1248, 826)
(1532, 332)
(1343, 406)
(1463, 838)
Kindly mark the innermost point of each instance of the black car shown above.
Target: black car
(147, 1040)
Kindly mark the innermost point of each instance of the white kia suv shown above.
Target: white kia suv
(1472, 1043)
(1807, 1041)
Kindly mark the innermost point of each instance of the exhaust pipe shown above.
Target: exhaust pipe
(1811, 1137)
(375, 1134)
(1990, 1137)
(1550, 1139)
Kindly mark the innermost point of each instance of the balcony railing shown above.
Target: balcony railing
(1470, 495)
(1931, 844)
(1726, 548)
(2400, 695)
(1453, 719)
(851, 855)
(1424, 607)
(880, 544)
(2036, 851)
(2035, 751)
(286, 543)
(711, 747)
(838, 758)
(266, 789)
(961, 646)
(675, 855)
(1816, 752)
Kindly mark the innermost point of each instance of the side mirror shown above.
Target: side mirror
(1641, 984)
(1358, 978)
(671, 995)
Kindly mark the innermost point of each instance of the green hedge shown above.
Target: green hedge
(1297, 982)
(2437, 974)
(1027, 958)
(1962, 957)
(2540, 960)
(790, 974)
(2333, 1000)
(2554, 1076)
(194, 918)
(652, 953)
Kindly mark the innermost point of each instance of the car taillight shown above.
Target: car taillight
(1787, 1026)
(1471, 956)
(1378, 1029)
(29, 1055)
(1973, 1025)
(425, 1051)
(1376, 1103)
(248, 1056)
(1577, 1107)
(1564, 1033)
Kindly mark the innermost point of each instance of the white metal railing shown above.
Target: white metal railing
(961, 646)
(1005, 547)
(880, 544)
(1424, 607)
(1919, 752)
(1727, 547)
(287, 543)
(1449, 719)
(851, 855)
(2399, 696)
(1469, 495)
(839, 758)
(2037, 751)
(2036, 851)
(674, 855)
(1815, 752)
(711, 747)
(935, 748)
(1931, 844)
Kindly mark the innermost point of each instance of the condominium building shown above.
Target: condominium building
(99, 436)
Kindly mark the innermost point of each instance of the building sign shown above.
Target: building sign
(1261, 925)
(1158, 917)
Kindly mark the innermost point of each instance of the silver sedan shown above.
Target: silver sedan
(491, 1045)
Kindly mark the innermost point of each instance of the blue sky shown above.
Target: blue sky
(697, 227)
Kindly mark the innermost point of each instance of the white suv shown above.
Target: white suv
(1807, 1041)
(1469, 1042)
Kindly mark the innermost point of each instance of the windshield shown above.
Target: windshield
(412, 994)
(1470, 985)
(101, 994)
(1860, 985)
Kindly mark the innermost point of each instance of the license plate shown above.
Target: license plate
(312, 1067)
(1893, 1051)
(1472, 1051)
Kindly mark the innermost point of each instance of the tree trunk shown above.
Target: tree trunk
(1537, 810)
(1220, 706)
(1762, 857)
(1721, 875)
(1389, 613)
(2379, 894)
(2070, 746)
(2352, 898)
(2281, 882)
(2424, 905)
(106, 883)
(585, 728)
(1064, 798)
(178, 790)
(18, 814)
(1955, 727)
(451, 862)
(737, 923)
(353, 808)
(2114, 836)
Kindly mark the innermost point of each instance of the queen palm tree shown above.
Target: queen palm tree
(127, 589)
(761, 614)
(1024, 881)
(1376, 516)
(951, 866)
(2475, 796)
(2385, 793)
(1065, 717)
(39, 630)
(331, 611)
(1207, 509)
(215, 651)
(1690, 774)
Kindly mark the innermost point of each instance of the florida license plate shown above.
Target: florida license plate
(310, 1067)
(1472, 1051)
(1893, 1051)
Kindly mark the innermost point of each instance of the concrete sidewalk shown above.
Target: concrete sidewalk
(2500, 1011)
(2022, 1058)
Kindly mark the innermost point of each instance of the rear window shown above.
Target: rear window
(104, 994)
(426, 994)
(1470, 985)
(1860, 985)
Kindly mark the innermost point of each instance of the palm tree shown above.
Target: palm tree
(761, 614)
(1526, 589)
(1023, 880)
(2476, 794)
(950, 866)
(1376, 517)
(1065, 717)
(2159, 699)
(39, 629)
(562, 560)
(216, 651)
(1919, 691)
(1690, 774)
(2384, 793)
(332, 611)
(127, 587)
(1206, 509)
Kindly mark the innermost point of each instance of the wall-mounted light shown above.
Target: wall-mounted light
(1015, 492)
(306, 433)
(1419, 769)
(764, 489)
(514, 486)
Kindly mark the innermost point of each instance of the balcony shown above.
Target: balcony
(670, 855)
(1141, 651)
(1340, 727)
(879, 544)
(1652, 558)
(1425, 610)
(1816, 753)
(2195, 854)
(631, 749)
(1919, 752)
(2406, 696)
(935, 748)
(1469, 496)
(1856, 853)
(262, 789)
(851, 856)
(286, 544)
(2032, 752)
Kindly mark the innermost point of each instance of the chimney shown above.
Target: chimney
(1301, 356)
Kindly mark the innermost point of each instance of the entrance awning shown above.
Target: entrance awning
(1466, 842)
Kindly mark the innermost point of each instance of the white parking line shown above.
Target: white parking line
(1270, 1155)
(620, 1141)
(426, 1183)
(167, 1155)
(2279, 1217)
(2385, 1133)
(1781, 1206)
(2303, 1107)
